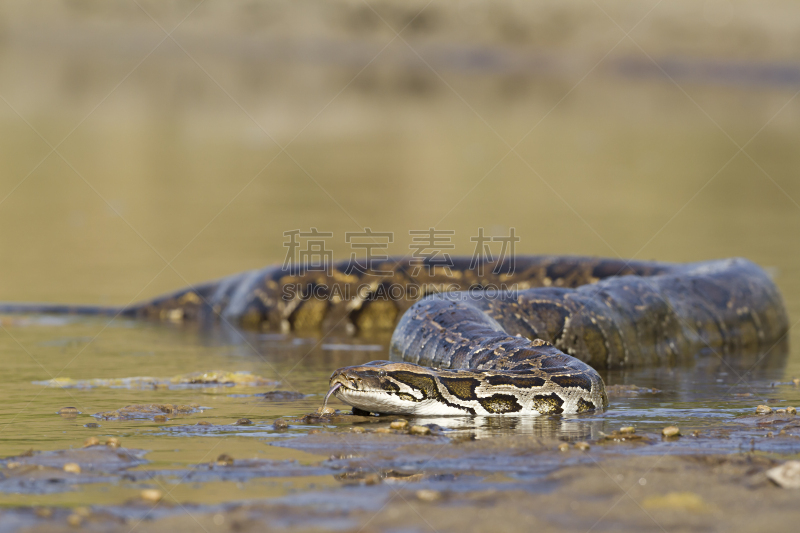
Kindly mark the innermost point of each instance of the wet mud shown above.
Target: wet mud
(390, 480)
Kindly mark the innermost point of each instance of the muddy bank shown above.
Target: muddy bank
(709, 493)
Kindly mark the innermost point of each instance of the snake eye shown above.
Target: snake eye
(382, 373)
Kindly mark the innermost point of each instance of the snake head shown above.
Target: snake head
(375, 387)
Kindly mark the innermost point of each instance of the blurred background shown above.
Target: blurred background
(145, 145)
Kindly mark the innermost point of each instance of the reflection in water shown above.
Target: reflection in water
(566, 427)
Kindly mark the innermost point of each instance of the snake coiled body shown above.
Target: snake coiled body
(521, 337)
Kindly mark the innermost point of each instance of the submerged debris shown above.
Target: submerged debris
(626, 434)
(623, 391)
(281, 395)
(61, 470)
(214, 378)
(224, 460)
(68, 412)
(150, 411)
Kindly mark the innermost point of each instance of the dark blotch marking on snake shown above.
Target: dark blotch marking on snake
(584, 406)
(427, 386)
(577, 380)
(548, 404)
(421, 382)
(498, 404)
(461, 388)
(525, 382)
(389, 386)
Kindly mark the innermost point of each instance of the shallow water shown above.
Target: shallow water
(179, 163)
(710, 398)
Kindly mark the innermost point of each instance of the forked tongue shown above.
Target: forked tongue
(333, 389)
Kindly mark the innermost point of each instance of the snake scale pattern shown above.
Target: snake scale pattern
(461, 347)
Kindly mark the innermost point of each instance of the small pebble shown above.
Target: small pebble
(796, 382)
(420, 430)
(428, 495)
(372, 479)
(159, 418)
(92, 425)
(399, 424)
(582, 446)
(151, 495)
(671, 431)
(383, 430)
(314, 432)
(786, 475)
(244, 422)
(12, 464)
(280, 424)
(322, 411)
(91, 441)
(770, 434)
(68, 411)
(357, 429)
(43, 512)
(113, 442)
(791, 411)
(696, 433)
(73, 468)
(461, 437)
(564, 447)
(435, 429)
(627, 429)
(224, 460)
(74, 520)
(203, 423)
(82, 511)
(763, 409)
(780, 411)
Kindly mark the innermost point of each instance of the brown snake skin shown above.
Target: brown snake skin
(533, 348)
